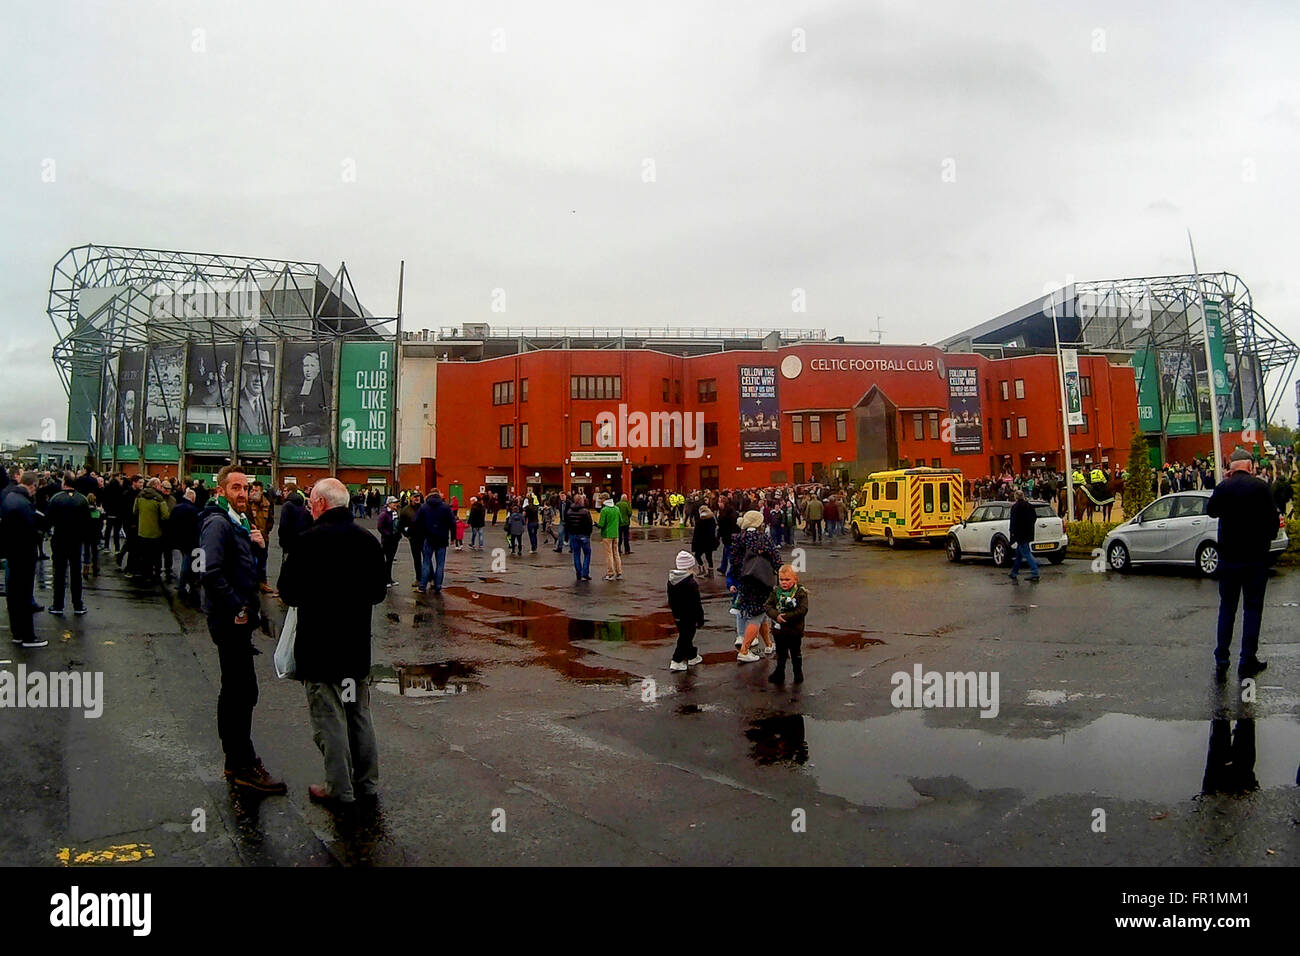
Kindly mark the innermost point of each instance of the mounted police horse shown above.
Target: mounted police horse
(1097, 496)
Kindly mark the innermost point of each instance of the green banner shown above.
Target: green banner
(199, 441)
(255, 444)
(128, 453)
(1148, 384)
(1215, 332)
(304, 455)
(161, 453)
(1178, 391)
(366, 405)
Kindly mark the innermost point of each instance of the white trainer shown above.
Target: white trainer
(697, 659)
(677, 666)
(747, 658)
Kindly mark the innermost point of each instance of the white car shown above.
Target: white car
(1175, 530)
(987, 534)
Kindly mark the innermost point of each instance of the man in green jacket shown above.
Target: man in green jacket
(624, 524)
(609, 520)
(151, 510)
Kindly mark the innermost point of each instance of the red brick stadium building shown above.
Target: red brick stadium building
(776, 411)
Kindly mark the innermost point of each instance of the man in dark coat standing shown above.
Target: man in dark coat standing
(68, 515)
(334, 579)
(20, 535)
(294, 520)
(435, 522)
(226, 542)
(1248, 523)
(183, 527)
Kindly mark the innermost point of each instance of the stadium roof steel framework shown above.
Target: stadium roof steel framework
(1153, 312)
(293, 300)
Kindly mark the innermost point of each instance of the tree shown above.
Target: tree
(1137, 484)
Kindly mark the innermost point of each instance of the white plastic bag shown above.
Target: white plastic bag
(285, 666)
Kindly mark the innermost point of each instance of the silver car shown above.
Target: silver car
(1174, 530)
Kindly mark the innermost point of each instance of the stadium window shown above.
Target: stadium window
(918, 426)
(709, 477)
(1005, 393)
(814, 428)
(584, 433)
(1020, 388)
(710, 434)
(798, 473)
(599, 382)
(1006, 428)
(841, 427)
(503, 393)
(665, 390)
(934, 424)
(593, 386)
(708, 390)
(934, 463)
(523, 434)
(523, 392)
(573, 386)
(1085, 385)
(1022, 427)
(507, 436)
(796, 429)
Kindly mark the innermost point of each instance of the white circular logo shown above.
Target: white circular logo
(791, 366)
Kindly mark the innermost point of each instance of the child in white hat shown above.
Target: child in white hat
(688, 610)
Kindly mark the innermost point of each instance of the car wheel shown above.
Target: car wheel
(1207, 559)
(889, 538)
(1001, 553)
(954, 549)
(857, 535)
(1117, 557)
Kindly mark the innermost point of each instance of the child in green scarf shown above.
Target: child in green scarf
(787, 606)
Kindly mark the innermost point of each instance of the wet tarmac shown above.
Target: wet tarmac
(522, 691)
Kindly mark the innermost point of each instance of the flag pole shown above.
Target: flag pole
(1209, 367)
(1065, 415)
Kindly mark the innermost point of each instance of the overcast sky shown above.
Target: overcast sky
(673, 163)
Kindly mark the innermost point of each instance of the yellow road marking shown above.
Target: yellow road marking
(125, 853)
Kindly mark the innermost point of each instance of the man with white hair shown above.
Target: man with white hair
(1248, 523)
(333, 576)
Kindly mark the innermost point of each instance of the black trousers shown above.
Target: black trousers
(791, 647)
(703, 557)
(67, 563)
(417, 554)
(390, 552)
(20, 579)
(238, 694)
(685, 649)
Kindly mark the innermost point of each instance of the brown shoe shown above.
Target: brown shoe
(266, 588)
(256, 778)
(319, 794)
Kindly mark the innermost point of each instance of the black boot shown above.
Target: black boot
(777, 676)
(796, 662)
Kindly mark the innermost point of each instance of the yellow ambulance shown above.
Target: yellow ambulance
(909, 504)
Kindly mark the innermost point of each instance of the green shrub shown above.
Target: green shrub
(1089, 534)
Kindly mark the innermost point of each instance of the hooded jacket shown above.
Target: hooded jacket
(684, 599)
(151, 510)
(230, 573)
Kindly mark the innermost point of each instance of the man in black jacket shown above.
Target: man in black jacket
(294, 520)
(1023, 521)
(333, 580)
(1248, 523)
(727, 529)
(68, 516)
(226, 542)
(435, 522)
(20, 533)
(183, 527)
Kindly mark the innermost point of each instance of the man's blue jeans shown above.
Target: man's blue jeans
(581, 545)
(1234, 580)
(1025, 554)
(430, 555)
(476, 537)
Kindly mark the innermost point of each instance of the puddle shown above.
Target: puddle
(875, 762)
(779, 738)
(441, 679)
